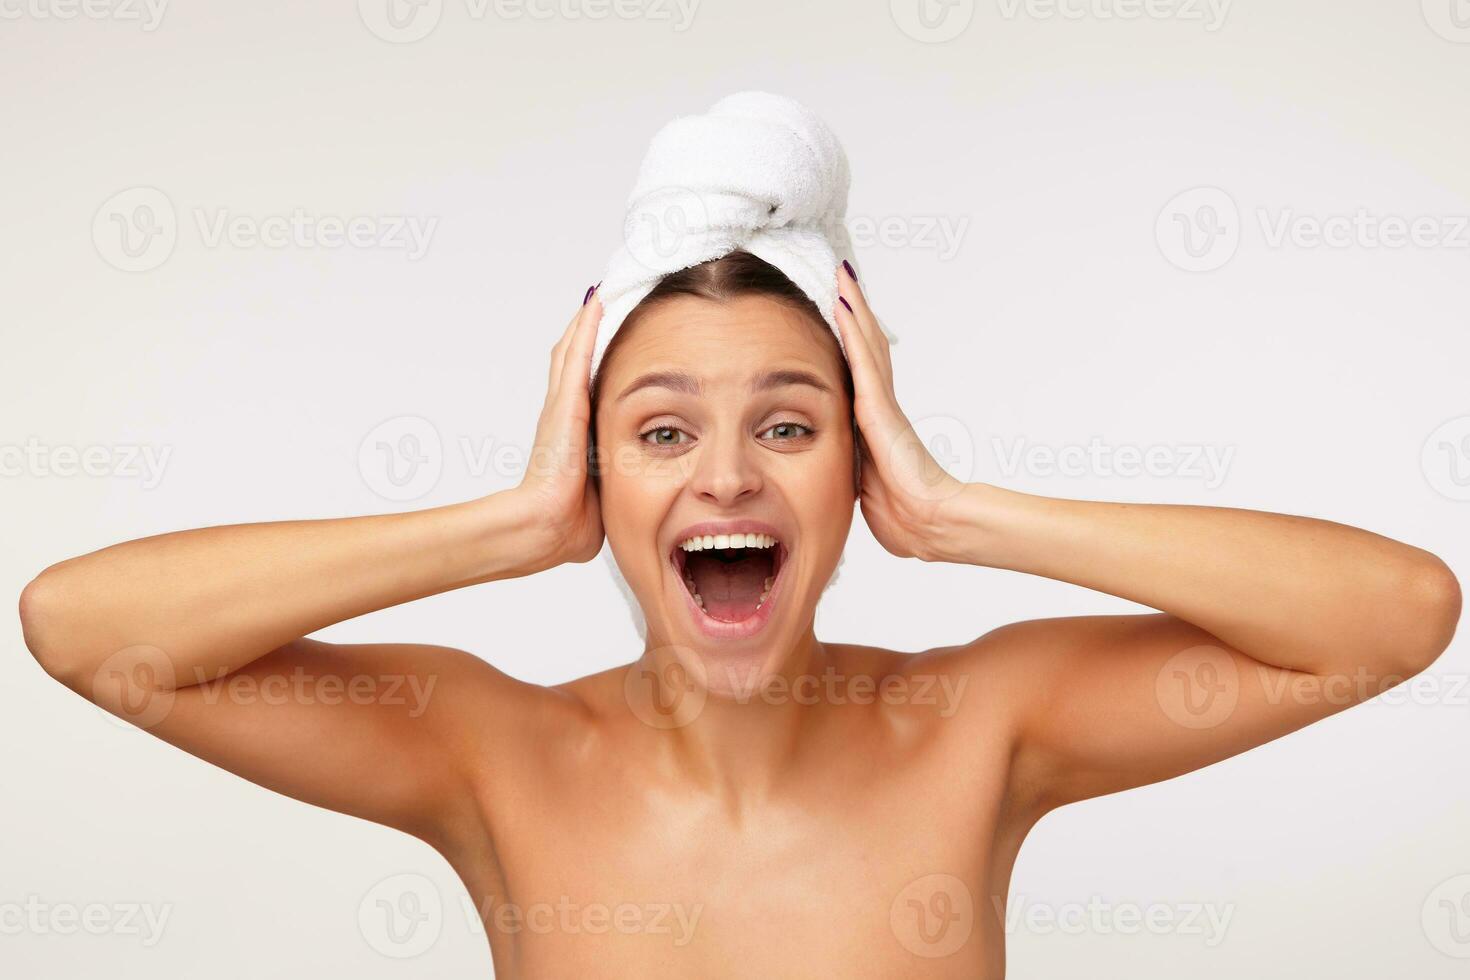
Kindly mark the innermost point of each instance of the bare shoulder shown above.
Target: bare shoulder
(987, 684)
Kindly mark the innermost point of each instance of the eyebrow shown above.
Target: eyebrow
(687, 383)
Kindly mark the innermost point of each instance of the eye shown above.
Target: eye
(664, 435)
(789, 430)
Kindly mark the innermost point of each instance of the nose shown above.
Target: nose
(726, 469)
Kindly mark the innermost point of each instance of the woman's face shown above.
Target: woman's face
(717, 419)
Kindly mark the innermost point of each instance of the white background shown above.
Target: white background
(1055, 147)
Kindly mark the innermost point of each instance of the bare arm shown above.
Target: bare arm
(200, 636)
(1294, 592)
(1270, 622)
(214, 599)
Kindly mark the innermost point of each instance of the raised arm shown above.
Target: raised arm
(216, 598)
(199, 636)
(1269, 622)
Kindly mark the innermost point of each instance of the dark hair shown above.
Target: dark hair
(737, 274)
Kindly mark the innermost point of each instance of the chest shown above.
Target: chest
(873, 871)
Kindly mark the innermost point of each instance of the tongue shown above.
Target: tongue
(730, 590)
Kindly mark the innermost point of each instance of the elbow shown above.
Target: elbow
(40, 611)
(1431, 596)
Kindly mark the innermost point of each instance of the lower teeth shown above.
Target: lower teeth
(699, 599)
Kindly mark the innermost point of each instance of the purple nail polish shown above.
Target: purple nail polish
(588, 294)
(850, 271)
(846, 303)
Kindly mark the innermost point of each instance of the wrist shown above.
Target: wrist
(508, 538)
(969, 525)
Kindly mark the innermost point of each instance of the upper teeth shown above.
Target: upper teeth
(703, 542)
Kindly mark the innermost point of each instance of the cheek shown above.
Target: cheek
(821, 492)
(634, 505)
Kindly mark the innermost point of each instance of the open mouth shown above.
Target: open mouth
(729, 576)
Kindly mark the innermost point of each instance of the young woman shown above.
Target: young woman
(794, 806)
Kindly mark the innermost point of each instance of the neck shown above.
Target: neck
(732, 723)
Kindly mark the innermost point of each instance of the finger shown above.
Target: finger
(571, 410)
(577, 358)
(868, 380)
(558, 353)
(849, 288)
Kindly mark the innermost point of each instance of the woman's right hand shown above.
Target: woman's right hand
(556, 492)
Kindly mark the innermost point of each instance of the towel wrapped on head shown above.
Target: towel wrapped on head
(757, 172)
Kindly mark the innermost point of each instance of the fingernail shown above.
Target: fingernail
(846, 303)
(850, 271)
(589, 294)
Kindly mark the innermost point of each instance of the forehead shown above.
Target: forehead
(733, 339)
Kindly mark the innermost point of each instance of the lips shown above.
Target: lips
(731, 572)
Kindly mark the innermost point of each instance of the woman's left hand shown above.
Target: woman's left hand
(903, 487)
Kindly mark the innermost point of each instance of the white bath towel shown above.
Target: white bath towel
(758, 172)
